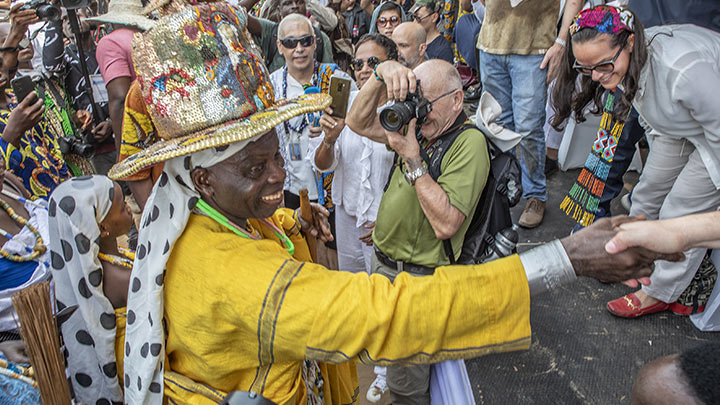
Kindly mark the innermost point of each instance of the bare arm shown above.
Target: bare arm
(552, 56)
(141, 190)
(669, 235)
(117, 89)
(444, 218)
(325, 153)
(362, 117)
(253, 25)
(396, 81)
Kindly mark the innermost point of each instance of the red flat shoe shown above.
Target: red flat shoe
(629, 307)
(680, 309)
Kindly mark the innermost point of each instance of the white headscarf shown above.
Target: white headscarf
(163, 221)
(74, 211)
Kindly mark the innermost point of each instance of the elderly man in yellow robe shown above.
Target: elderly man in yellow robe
(223, 296)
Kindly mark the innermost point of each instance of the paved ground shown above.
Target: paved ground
(580, 353)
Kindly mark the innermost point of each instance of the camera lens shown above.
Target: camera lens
(48, 12)
(395, 116)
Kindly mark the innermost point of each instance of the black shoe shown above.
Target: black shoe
(472, 94)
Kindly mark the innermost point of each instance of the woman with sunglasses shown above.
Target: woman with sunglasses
(386, 18)
(361, 169)
(673, 82)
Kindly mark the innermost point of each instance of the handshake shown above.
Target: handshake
(624, 248)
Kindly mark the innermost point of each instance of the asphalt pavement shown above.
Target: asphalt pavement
(580, 354)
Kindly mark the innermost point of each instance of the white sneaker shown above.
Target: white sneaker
(377, 388)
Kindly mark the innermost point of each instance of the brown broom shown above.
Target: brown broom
(39, 331)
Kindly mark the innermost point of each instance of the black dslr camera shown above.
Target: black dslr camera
(398, 114)
(76, 146)
(43, 9)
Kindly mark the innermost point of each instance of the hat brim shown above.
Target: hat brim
(132, 20)
(220, 135)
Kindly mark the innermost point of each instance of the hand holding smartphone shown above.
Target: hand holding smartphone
(22, 86)
(340, 92)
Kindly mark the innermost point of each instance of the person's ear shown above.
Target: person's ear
(422, 48)
(436, 17)
(200, 177)
(631, 42)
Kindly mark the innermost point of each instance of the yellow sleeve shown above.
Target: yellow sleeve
(460, 312)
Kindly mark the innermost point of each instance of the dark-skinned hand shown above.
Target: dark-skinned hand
(20, 20)
(23, 117)
(320, 227)
(586, 250)
(14, 350)
(102, 131)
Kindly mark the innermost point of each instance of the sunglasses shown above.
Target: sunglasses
(304, 41)
(384, 21)
(357, 64)
(602, 67)
(419, 19)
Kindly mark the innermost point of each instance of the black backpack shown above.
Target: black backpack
(502, 191)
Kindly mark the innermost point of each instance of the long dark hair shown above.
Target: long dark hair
(565, 97)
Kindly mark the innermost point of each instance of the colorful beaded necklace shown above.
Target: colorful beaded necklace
(125, 261)
(305, 121)
(222, 220)
(39, 247)
(583, 199)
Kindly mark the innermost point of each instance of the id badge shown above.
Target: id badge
(100, 93)
(295, 153)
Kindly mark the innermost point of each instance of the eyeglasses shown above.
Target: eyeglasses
(419, 19)
(304, 41)
(392, 20)
(357, 64)
(443, 95)
(602, 67)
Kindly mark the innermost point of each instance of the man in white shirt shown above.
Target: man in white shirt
(296, 42)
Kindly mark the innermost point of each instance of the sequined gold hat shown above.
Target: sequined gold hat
(205, 85)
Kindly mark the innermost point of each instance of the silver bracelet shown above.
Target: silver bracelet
(560, 42)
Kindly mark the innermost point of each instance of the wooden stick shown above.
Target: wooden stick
(306, 214)
(38, 329)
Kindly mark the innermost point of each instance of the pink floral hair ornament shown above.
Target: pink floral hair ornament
(605, 19)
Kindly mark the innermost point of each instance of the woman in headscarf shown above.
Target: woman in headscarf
(86, 216)
(673, 82)
(386, 17)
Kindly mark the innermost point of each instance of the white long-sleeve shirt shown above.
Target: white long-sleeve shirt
(679, 88)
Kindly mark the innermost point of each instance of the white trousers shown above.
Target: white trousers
(353, 254)
(674, 183)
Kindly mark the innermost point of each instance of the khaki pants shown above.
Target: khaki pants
(408, 384)
(674, 183)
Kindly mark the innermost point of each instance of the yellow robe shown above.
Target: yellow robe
(242, 315)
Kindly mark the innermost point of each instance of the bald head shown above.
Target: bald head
(292, 20)
(662, 381)
(439, 75)
(410, 40)
(411, 32)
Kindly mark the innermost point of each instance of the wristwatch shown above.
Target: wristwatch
(412, 176)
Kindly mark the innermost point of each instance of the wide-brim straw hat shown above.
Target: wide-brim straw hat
(205, 85)
(125, 12)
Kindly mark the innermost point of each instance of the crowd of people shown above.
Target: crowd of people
(189, 177)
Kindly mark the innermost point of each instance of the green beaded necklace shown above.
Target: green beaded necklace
(222, 220)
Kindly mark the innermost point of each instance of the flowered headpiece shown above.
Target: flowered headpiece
(605, 19)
